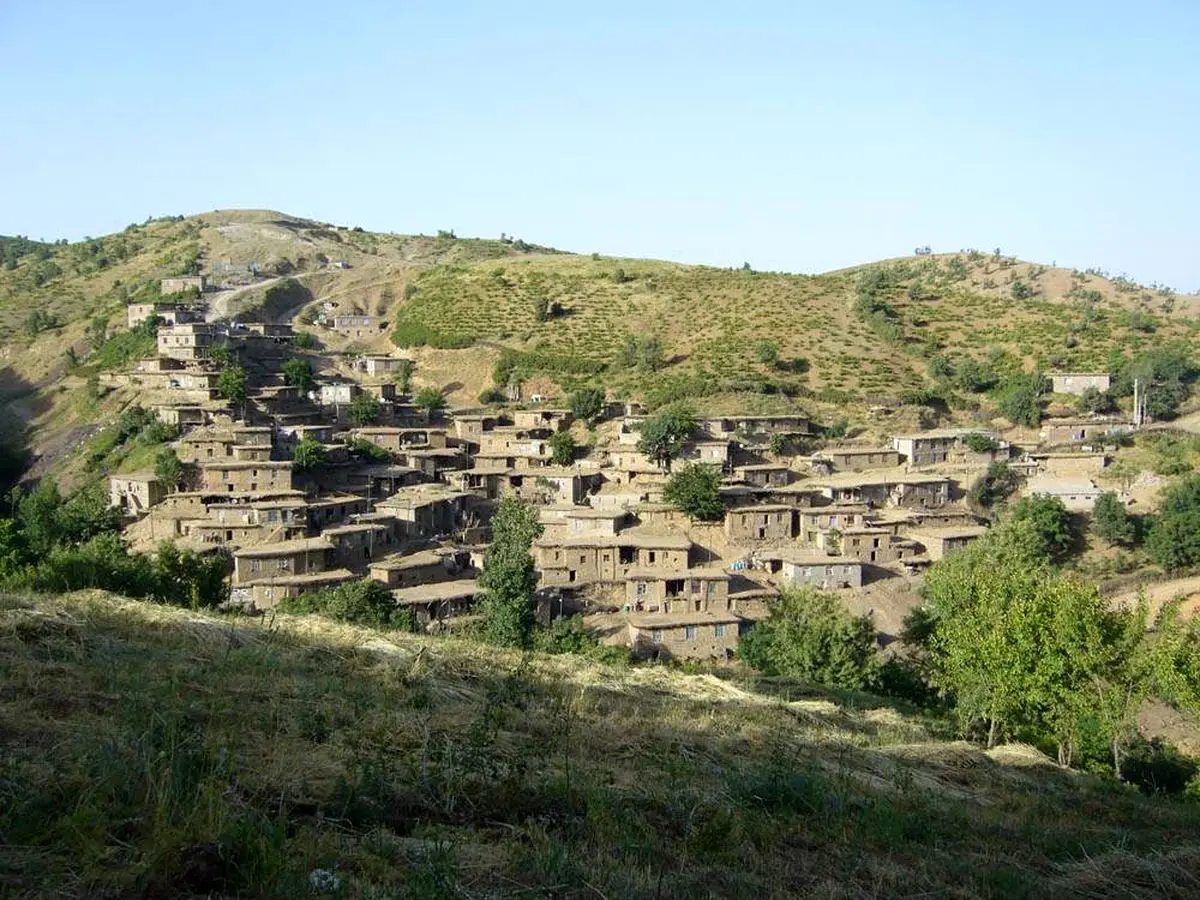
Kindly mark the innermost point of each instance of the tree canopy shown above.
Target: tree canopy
(664, 434)
(696, 490)
(509, 578)
(562, 448)
(587, 403)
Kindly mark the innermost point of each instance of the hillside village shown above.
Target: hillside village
(401, 492)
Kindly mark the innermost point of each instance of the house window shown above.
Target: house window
(656, 635)
(689, 633)
(719, 631)
(652, 557)
(641, 589)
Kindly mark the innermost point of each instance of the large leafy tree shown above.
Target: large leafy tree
(364, 410)
(1018, 397)
(696, 491)
(562, 448)
(509, 578)
(298, 373)
(1110, 519)
(168, 468)
(1174, 538)
(664, 434)
(232, 385)
(430, 399)
(810, 636)
(1050, 521)
(587, 403)
(309, 454)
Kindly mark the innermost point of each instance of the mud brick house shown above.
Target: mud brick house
(891, 488)
(1076, 494)
(857, 459)
(356, 325)
(438, 604)
(381, 365)
(934, 447)
(592, 558)
(819, 519)
(761, 522)
(943, 541)
(693, 590)
(284, 558)
(233, 476)
(1079, 382)
(543, 420)
(397, 439)
(267, 593)
(577, 521)
(428, 510)
(697, 635)
(187, 342)
(806, 568)
(773, 475)
(182, 283)
(1072, 430)
(134, 494)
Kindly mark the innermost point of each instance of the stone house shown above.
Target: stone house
(428, 510)
(356, 325)
(397, 439)
(170, 313)
(576, 521)
(858, 459)
(869, 544)
(268, 592)
(470, 427)
(766, 475)
(941, 542)
(1070, 464)
(1079, 382)
(421, 567)
(355, 545)
(187, 341)
(282, 559)
(337, 393)
(332, 509)
(761, 522)
(1070, 430)
(181, 283)
(818, 519)
(233, 476)
(135, 493)
(380, 365)
(1076, 494)
(888, 489)
(805, 568)
(181, 415)
(438, 604)
(755, 426)
(693, 590)
(549, 420)
(592, 558)
(933, 447)
(697, 635)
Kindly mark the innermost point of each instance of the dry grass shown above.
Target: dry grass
(159, 752)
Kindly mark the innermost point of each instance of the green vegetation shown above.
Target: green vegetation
(403, 375)
(664, 434)
(509, 578)
(1028, 652)
(157, 752)
(124, 347)
(696, 491)
(1173, 541)
(1111, 520)
(305, 340)
(298, 373)
(363, 602)
(231, 385)
(363, 410)
(309, 454)
(430, 399)
(562, 448)
(1018, 398)
(1050, 526)
(587, 404)
(810, 636)
(167, 468)
(980, 443)
(364, 449)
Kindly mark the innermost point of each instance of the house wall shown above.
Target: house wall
(752, 525)
(685, 642)
(824, 575)
(1078, 383)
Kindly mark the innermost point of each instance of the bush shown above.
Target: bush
(997, 485)
(364, 449)
(363, 410)
(562, 448)
(1110, 519)
(980, 443)
(408, 333)
(364, 602)
(308, 454)
(492, 395)
(430, 399)
(1173, 541)
(1018, 398)
(810, 636)
(305, 340)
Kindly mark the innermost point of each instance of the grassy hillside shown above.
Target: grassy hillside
(154, 752)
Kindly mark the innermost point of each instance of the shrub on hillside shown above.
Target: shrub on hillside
(364, 602)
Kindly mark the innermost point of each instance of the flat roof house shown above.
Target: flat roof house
(1076, 494)
(697, 635)
(282, 559)
(858, 459)
(1079, 382)
(134, 494)
(761, 522)
(807, 568)
(185, 341)
(592, 558)
(356, 325)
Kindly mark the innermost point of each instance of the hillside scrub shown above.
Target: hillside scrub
(203, 756)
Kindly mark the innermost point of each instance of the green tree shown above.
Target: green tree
(187, 578)
(403, 375)
(365, 602)
(810, 636)
(1094, 400)
(305, 340)
(309, 454)
(509, 578)
(232, 385)
(562, 448)
(1050, 522)
(1110, 519)
(664, 434)
(587, 403)
(298, 373)
(1173, 541)
(767, 352)
(430, 399)
(220, 354)
(167, 468)
(1018, 397)
(696, 491)
(363, 410)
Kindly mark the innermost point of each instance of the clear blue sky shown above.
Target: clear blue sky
(793, 135)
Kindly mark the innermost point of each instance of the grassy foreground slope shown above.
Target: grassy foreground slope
(153, 752)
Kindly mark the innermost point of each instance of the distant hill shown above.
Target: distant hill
(873, 343)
